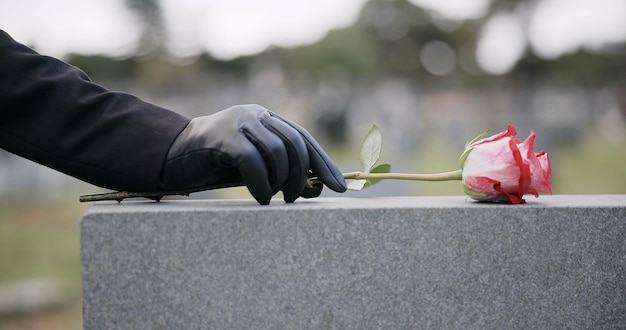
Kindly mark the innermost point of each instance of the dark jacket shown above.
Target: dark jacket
(51, 113)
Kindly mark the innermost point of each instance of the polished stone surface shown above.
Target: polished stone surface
(356, 263)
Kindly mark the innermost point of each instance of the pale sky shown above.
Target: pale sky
(229, 28)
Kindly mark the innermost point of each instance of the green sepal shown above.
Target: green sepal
(467, 150)
(473, 194)
(474, 140)
(463, 157)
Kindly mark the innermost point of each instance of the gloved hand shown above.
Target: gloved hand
(252, 146)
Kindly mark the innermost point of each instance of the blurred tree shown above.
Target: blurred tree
(352, 49)
(153, 34)
(387, 39)
(104, 68)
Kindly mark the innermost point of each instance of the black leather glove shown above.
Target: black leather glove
(252, 146)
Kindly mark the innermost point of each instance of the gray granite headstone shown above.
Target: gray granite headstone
(356, 263)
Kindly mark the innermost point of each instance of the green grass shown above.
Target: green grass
(594, 166)
(40, 238)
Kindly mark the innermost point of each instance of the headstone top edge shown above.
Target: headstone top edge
(333, 203)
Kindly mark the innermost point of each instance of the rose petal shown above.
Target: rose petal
(510, 132)
(524, 170)
(513, 198)
(542, 182)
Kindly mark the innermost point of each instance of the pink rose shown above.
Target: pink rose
(503, 168)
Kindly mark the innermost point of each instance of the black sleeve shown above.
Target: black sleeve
(51, 113)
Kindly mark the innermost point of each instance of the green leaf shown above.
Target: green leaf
(356, 184)
(370, 150)
(382, 168)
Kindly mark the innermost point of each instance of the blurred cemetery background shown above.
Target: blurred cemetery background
(431, 74)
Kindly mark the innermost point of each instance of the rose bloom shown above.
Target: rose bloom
(502, 168)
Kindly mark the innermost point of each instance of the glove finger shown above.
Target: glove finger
(272, 149)
(320, 163)
(298, 156)
(253, 170)
(313, 192)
